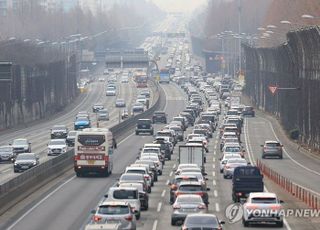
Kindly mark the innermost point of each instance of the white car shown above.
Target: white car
(111, 91)
(57, 146)
(232, 149)
(120, 103)
(231, 165)
(226, 157)
(262, 207)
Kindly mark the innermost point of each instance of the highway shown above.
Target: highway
(39, 134)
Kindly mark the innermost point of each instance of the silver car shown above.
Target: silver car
(186, 204)
(103, 115)
(7, 153)
(126, 194)
(115, 212)
(272, 149)
(231, 165)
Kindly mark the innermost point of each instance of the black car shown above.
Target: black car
(164, 147)
(25, 161)
(248, 111)
(97, 107)
(159, 116)
(59, 132)
(144, 126)
(71, 138)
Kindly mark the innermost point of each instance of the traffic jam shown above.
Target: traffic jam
(213, 112)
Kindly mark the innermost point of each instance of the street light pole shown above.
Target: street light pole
(239, 31)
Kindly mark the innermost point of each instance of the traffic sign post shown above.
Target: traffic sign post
(273, 89)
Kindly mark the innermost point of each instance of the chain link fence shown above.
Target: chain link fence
(43, 81)
(295, 64)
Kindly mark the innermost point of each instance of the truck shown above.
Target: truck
(164, 76)
(246, 179)
(235, 101)
(93, 152)
(192, 154)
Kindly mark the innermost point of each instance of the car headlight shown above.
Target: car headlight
(15, 164)
(34, 163)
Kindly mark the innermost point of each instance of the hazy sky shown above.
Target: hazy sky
(179, 5)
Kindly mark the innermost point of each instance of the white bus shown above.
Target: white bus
(94, 152)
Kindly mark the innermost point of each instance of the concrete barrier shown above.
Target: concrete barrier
(18, 188)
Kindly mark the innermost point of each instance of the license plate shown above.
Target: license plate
(24, 167)
(91, 162)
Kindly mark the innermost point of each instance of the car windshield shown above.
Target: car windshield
(103, 111)
(191, 188)
(25, 157)
(202, 220)
(138, 171)
(82, 119)
(113, 209)
(237, 161)
(72, 133)
(264, 200)
(179, 179)
(125, 194)
(273, 145)
(144, 122)
(150, 150)
(131, 177)
(58, 127)
(20, 142)
(57, 142)
(232, 149)
(189, 199)
(6, 149)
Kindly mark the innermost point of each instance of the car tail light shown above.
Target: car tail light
(184, 228)
(227, 167)
(178, 193)
(174, 187)
(200, 193)
(239, 193)
(106, 158)
(176, 206)
(275, 207)
(251, 206)
(129, 218)
(219, 228)
(76, 157)
(201, 206)
(96, 218)
(147, 177)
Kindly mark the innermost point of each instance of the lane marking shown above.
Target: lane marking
(171, 174)
(174, 166)
(217, 207)
(154, 226)
(163, 193)
(159, 206)
(215, 193)
(167, 182)
(213, 166)
(214, 182)
(249, 150)
(214, 152)
(213, 174)
(39, 203)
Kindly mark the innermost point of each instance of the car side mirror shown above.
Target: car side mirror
(222, 222)
(206, 178)
(208, 189)
(106, 196)
(249, 163)
(29, 143)
(93, 212)
(205, 174)
(261, 145)
(281, 201)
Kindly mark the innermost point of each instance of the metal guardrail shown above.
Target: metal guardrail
(43, 173)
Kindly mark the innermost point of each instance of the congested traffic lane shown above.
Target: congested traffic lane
(294, 165)
(39, 135)
(69, 206)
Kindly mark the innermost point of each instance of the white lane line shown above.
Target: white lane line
(249, 150)
(159, 206)
(163, 193)
(154, 226)
(286, 152)
(213, 166)
(174, 166)
(214, 159)
(7, 170)
(167, 182)
(214, 152)
(171, 174)
(215, 193)
(39, 203)
(126, 138)
(214, 182)
(217, 207)
(213, 174)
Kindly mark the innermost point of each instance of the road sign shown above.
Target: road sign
(273, 89)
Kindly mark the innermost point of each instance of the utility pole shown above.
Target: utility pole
(239, 31)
